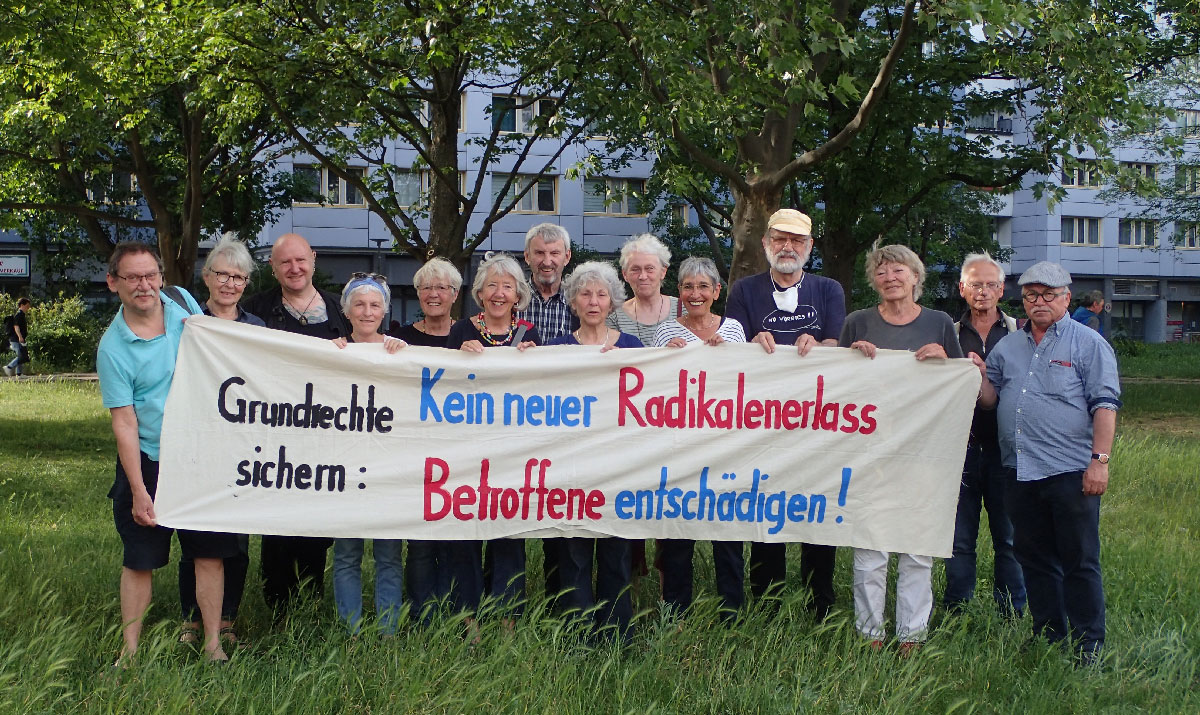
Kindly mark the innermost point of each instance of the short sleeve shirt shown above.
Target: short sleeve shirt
(820, 308)
(138, 372)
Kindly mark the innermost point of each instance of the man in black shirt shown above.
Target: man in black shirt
(296, 306)
(980, 328)
(17, 335)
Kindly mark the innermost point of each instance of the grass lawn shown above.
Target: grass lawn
(60, 558)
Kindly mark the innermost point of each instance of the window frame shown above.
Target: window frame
(622, 190)
(1145, 231)
(1081, 174)
(533, 195)
(324, 175)
(1077, 223)
(523, 117)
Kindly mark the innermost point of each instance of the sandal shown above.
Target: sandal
(230, 638)
(189, 634)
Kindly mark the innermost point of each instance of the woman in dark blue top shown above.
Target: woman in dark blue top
(593, 291)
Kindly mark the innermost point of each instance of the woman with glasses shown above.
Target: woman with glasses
(427, 573)
(501, 290)
(437, 283)
(699, 288)
(365, 301)
(226, 271)
(897, 323)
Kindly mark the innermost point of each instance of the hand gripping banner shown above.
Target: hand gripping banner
(273, 433)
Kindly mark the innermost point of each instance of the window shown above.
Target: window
(323, 183)
(1189, 122)
(518, 114)
(1081, 173)
(1187, 235)
(1080, 231)
(990, 122)
(623, 197)
(1147, 171)
(1137, 232)
(118, 187)
(1187, 179)
(409, 186)
(541, 198)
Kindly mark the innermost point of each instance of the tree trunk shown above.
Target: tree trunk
(839, 254)
(751, 211)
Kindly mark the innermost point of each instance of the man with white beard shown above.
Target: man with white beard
(786, 306)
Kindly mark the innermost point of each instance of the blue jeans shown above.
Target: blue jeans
(1056, 536)
(984, 482)
(347, 581)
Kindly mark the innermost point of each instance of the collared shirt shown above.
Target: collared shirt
(552, 316)
(242, 316)
(983, 426)
(138, 372)
(1048, 392)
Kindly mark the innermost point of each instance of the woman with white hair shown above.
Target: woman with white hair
(644, 261)
(365, 301)
(500, 288)
(592, 292)
(437, 283)
(699, 287)
(226, 271)
(897, 323)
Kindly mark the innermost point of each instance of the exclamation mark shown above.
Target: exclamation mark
(845, 488)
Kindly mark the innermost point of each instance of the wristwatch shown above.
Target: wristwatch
(1101, 458)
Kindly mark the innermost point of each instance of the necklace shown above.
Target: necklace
(487, 334)
(661, 299)
(579, 338)
(300, 314)
(702, 326)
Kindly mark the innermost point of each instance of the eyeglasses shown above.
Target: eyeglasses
(435, 289)
(224, 278)
(134, 279)
(1046, 297)
(359, 275)
(786, 239)
(980, 287)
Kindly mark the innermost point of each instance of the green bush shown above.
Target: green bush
(62, 334)
(1125, 347)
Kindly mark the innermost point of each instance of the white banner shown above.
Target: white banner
(268, 432)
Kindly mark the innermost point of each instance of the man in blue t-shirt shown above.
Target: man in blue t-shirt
(136, 364)
(786, 306)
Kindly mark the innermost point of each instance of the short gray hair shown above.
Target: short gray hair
(594, 272)
(645, 243)
(357, 285)
(896, 253)
(973, 258)
(549, 233)
(503, 264)
(235, 254)
(438, 268)
(700, 266)
(1092, 297)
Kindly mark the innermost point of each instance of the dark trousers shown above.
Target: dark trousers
(611, 557)
(552, 555)
(983, 485)
(505, 568)
(675, 558)
(426, 576)
(1056, 537)
(235, 583)
(463, 567)
(289, 561)
(768, 572)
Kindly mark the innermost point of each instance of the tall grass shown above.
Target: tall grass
(59, 561)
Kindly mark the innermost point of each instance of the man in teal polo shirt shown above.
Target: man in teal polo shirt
(136, 363)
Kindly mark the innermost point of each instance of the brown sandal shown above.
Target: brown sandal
(230, 638)
(189, 634)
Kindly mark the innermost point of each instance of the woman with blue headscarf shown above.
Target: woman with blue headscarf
(365, 302)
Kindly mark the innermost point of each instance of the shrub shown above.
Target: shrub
(63, 335)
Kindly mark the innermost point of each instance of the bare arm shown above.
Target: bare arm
(129, 451)
(1104, 428)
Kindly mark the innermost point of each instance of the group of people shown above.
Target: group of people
(1037, 457)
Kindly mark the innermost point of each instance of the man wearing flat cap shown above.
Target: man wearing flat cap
(1055, 388)
(786, 306)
